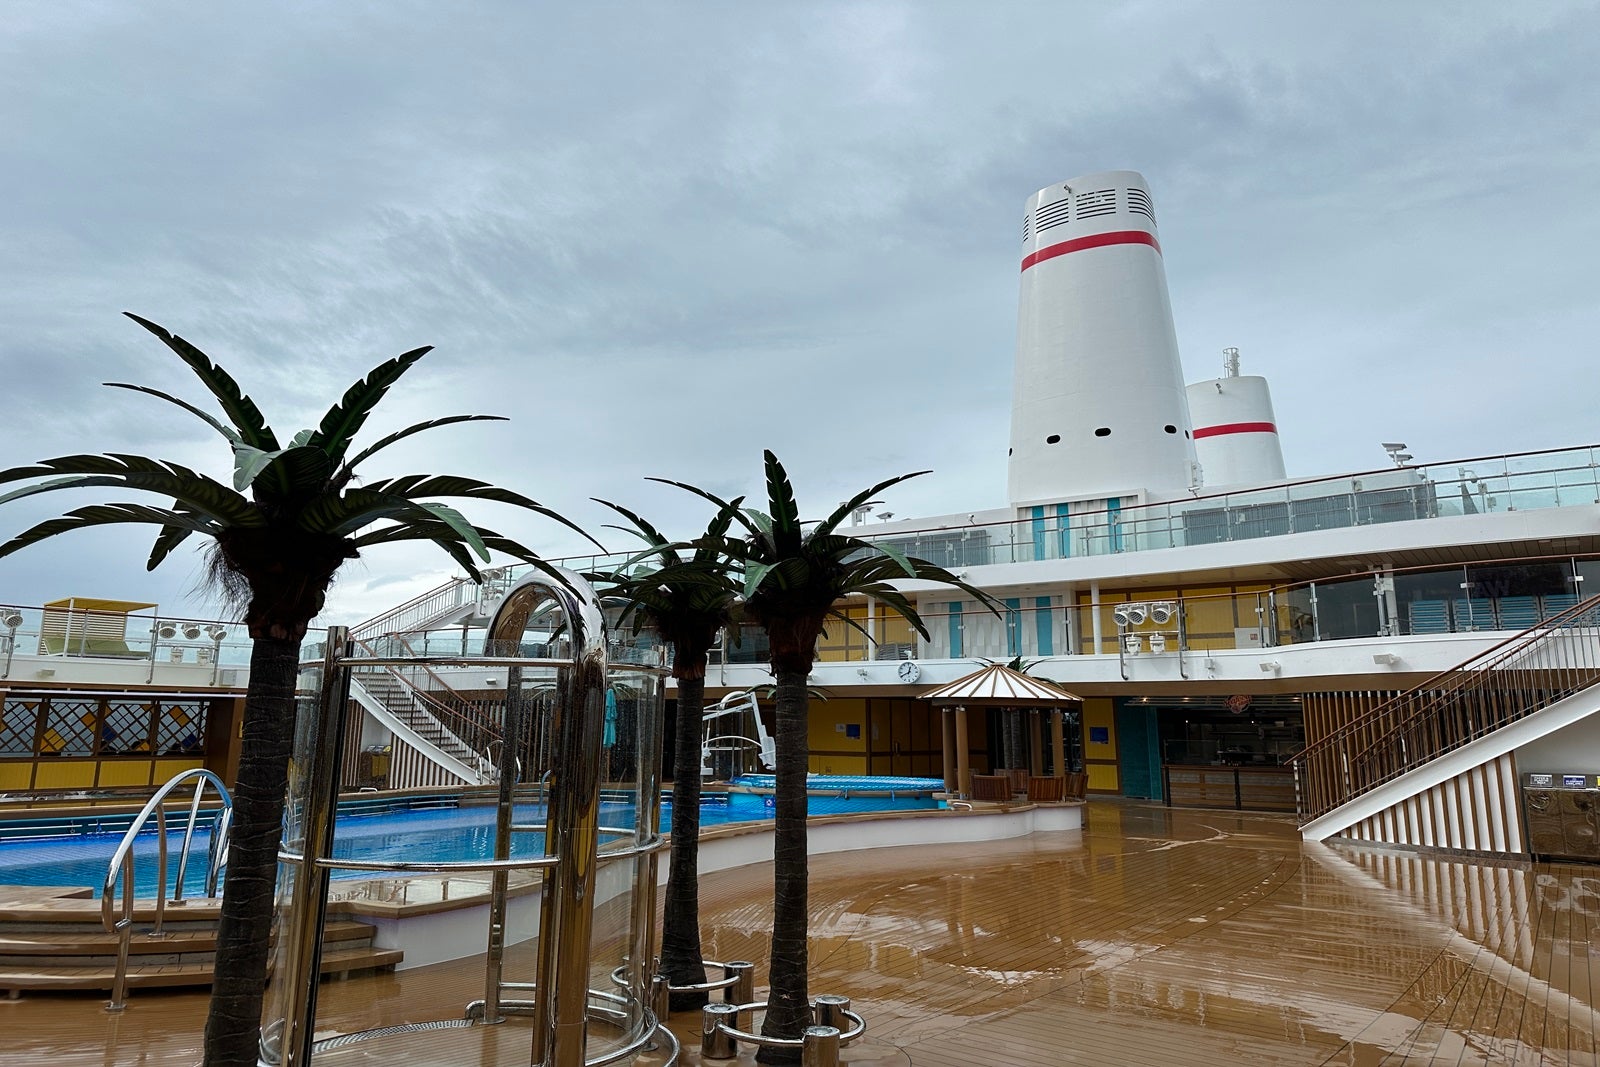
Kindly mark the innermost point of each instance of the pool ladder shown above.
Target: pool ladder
(122, 865)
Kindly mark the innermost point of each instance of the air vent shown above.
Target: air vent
(1139, 201)
(1054, 213)
(1027, 227)
(1099, 202)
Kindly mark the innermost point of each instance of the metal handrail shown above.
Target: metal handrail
(1488, 659)
(418, 607)
(1445, 712)
(456, 722)
(122, 865)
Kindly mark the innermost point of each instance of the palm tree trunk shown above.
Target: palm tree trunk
(788, 1006)
(244, 930)
(681, 959)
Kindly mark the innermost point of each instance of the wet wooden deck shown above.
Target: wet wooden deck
(1153, 937)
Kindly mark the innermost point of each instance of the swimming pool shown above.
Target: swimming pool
(848, 785)
(430, 833)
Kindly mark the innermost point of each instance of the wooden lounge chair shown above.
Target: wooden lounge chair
(1046, 790)
(992, 787)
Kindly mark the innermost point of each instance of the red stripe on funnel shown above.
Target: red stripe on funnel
(1095, 240)
(1235, 427)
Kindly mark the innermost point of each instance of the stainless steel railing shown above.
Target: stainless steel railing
(122, 866)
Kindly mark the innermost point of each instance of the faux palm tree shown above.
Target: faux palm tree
(689, 598)
(276, 550)
(794, 578)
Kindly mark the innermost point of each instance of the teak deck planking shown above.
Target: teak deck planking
(1154, 936)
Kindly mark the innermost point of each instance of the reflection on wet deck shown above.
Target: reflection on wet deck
(1153, 937)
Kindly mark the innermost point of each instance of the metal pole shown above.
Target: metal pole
(1058, 743)
(308, 902)
(743, 989)
(499, 881)
(716, 1043)
(819, 1047)
(572, 827)
(963, 762)
(647, 823)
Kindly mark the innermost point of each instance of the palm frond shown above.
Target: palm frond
(169, 538)
(230, 434)
(458, 522)
(400, 435)
(785, 521)
(195, 490)
(104, 515)
(414, 486)
(704, 495)
(297, 471)
(342, 422)
(866, 496)
(754, 575)
(240, 409)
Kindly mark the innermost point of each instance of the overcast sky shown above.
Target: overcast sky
(661, 237)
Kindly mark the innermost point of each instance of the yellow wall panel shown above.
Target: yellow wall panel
(838, 765)
(126, 772)
(65, 774)
(1211, 616)
(15, 776)
(824, 736)
(1103, 777)
(166, 768)
(842, 641)
(1097, 712)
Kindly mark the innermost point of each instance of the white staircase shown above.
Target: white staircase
(1433, 767)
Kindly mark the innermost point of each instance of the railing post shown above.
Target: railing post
(716, 1043)
(743, 989)
(301, 936)
(819, 1046)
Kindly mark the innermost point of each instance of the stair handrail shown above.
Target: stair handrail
(122, 865)
(421, 606)
(1398, 717)
(446, 715)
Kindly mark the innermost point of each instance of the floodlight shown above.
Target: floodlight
(10, 618)
(1130, 644)
(191, 630)
(1161, 613)
(1137, 613)
(216, 632)
(167, 631)
(1119, 614)
(1158, 642)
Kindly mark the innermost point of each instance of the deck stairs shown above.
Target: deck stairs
(439, 727)
(52, 940)
(1432, 766)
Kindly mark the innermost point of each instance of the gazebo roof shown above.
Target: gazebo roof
(999, 686)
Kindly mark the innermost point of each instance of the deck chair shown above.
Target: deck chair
(1046, 790)
(1554, 604)
(995, 787)
(1430, 617)
(1473, 613)
(1518, 612)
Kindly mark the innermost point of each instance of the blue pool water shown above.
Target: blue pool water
(437, 833)
(850, 784)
